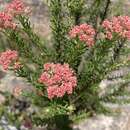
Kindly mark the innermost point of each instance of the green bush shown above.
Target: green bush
(90, 58)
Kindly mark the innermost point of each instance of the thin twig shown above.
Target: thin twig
(105, 11)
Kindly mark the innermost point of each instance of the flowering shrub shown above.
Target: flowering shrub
(79, 59)
(59, 79)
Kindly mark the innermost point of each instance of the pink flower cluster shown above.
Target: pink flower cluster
(15, 7)
(6, 21)
(7, 58)
(84, 32)
(59, 79)
(119, 25)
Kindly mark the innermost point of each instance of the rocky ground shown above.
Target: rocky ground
(40, 16)
(121, 121)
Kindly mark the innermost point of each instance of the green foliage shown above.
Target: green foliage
(76, 9)
(96, 11)
(58, 27)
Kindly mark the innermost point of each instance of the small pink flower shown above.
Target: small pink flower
(109, 35)
(59, 79)
(17, 65)
(17, 91)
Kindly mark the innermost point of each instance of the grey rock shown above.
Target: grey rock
(9, 82)
(109, 86)
(2, 74)
(121, 121)
(4, 124)
(114, 81)
(118, 73)
(39, 17)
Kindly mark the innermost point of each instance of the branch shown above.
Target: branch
(106, 10)
(117, 49)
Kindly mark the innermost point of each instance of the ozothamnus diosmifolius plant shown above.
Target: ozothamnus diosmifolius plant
(66, 77)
